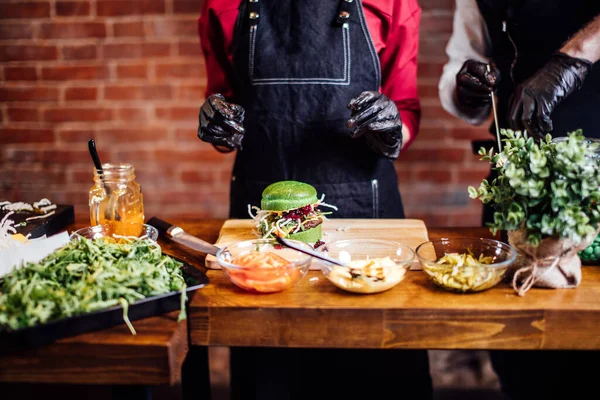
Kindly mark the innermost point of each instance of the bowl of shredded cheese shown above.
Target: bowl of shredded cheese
(465, 265)
(371, 265)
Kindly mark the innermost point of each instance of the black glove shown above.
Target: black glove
(535, 99)
(474, 85)
(221, 123)
(377, 118)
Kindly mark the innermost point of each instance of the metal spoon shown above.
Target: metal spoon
(315, 254)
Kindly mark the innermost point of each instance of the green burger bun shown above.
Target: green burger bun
(291, 195)
(288, 195)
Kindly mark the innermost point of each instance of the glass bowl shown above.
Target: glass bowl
(105, 230)
(462, 274)
(263, 265)
(373, 265)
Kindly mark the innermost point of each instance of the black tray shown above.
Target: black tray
(11, 340)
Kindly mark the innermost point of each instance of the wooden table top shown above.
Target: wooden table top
(414, 314)
(112, 356)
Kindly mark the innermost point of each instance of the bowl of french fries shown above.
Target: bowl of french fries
(465, 265)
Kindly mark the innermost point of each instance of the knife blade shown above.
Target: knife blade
(178, 235)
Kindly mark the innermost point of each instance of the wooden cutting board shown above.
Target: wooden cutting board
(411, 232)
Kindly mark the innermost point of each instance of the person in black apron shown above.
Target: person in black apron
(543, 91)
(308, 109)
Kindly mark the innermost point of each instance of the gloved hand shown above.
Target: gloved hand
(377, 118)
(474, 85)
(534, 100)
(221, 123)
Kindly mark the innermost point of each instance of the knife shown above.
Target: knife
(178, 235)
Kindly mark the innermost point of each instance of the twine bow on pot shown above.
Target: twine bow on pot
(522, 287)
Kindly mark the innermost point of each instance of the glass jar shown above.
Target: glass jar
(116, 198)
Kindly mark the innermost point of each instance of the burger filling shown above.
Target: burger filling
(283, 223)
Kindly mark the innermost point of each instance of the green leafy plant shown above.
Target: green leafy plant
(549, 188)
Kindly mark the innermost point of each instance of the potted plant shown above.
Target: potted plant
(547, 198)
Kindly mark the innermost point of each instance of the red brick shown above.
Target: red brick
(433, 46)
(25, 135)
(151, 176)
(70, 114)
(64, 73)
(474, 174)
(189, 49)
(436, 175)
(28, 52)
(128, 135)
(136, 50)
(15, 31)
(77, 135)
(20, 73)
(28, 93)
(34, 178)
(139, 71)
(180, 70)
(70, 8)
(133, 114)
(135, 28)
(80, 52)
(187, 134)
(177, 113)
(135, 156)
(22, 156)
(81, 93)
(471, 132)
(435, 22)
(25, 9)
(433, 133)
(204, 152)
(446, 154)
(65, 156)
(429, 90)
(173, 27)
(73, 30)
(436, 112)
(187, 6)
(119, 8)
(198, 176)
(431, 69)
(143, 92)
(191, 92)
(21, 114)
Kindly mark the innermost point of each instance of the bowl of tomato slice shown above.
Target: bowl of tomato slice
(263, 265)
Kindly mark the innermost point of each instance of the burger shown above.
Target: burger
(290, 209)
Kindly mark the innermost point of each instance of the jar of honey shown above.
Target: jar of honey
(116, 198)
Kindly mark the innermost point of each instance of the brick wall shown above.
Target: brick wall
(130, 74)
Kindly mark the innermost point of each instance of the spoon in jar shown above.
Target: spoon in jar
(98, 165)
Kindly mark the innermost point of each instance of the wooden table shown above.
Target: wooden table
(415, 314)
(108, 357)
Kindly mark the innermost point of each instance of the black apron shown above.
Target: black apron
(524, 34)
(296, 68)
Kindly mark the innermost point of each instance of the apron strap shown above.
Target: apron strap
(344, 12)
(253, 9)
(342, 18)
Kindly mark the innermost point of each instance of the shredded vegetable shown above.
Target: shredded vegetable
(282, 223)
(88, 275)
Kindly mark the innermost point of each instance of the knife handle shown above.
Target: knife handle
(162, 226)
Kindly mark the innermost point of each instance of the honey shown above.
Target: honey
(117, 199)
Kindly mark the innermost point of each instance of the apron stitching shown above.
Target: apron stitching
(305, 81)
(370, 43)
(251, 54)
(375, 189)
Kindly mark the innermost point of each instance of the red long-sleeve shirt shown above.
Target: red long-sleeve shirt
(394, 28)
